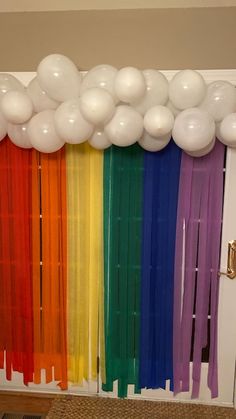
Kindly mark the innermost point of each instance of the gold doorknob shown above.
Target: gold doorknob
(231, 262)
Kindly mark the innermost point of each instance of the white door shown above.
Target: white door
(227, 306)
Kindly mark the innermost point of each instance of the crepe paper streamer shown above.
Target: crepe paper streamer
(36, 268)
(16, 309)
(208, 279)
(123, 178)
(50, 287)
(196, 266)
(85, 261)
(160, 198)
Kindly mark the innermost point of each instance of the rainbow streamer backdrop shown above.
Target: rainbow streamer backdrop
(90, 268)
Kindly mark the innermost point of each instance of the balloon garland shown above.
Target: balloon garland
(109, 106)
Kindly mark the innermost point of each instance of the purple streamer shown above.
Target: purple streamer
(198, 233)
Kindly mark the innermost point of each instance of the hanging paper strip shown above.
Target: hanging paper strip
(161, 181)
(85, 260)
(16, 313)
(49, 179)
(123, 178)
(36, 268)
(196, 267)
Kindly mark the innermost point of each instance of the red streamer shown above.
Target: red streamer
(16, 308)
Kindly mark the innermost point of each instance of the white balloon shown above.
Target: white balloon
(227, 130)
(203, 151)
(193, 130)
(149, 143)
(218, 134)
(70, 124)
(18, 135)
(99, 140)
(126, 126)
(17, 107)
(42, 132)
(187, 89)
(102, 76)
(220, 99)
(157, 91)
(3, 127)
(130, 85)
(41, 101)
(97, 106)
(172, 108)
(59, 77)
(8, 83)
(158, 121)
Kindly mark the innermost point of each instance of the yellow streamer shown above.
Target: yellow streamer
(85, 261)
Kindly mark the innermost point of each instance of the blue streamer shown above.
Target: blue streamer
(160, 198)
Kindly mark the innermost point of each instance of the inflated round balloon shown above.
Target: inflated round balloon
(97, 106)
(227, 130)
(204, 151)
(187, 89)
(70, 124)
(220, 99)
(17, 107)
(99, 140)
(42, 132)
(130, 85)
(9, 82)
(59, 77)
(41, 101)
(126, 126)
(218, 134)
(18, 135)
(102, 76)
(157, 91)
(3, 126)
(149, 143)
(194, 129)
(172, 108)
(158, 121)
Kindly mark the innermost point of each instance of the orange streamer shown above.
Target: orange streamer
(49, 182)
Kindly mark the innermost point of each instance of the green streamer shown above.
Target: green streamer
(123, 181)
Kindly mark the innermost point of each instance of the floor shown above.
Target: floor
(95, 407)
(24, 402)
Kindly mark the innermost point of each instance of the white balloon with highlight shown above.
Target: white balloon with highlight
(59, 77)
(227, 130)
(194, 129)
(130, 85)
(99, 140)
(126, 126)
(70, 124)
(18, 135)
(8, 83)
(220, 100)
(41, 101)
(102, 76)
(97, 106)
(187, 89)
(42, 132)
(157, 91)
(158, 121)
(149, 143)
(17, 107)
